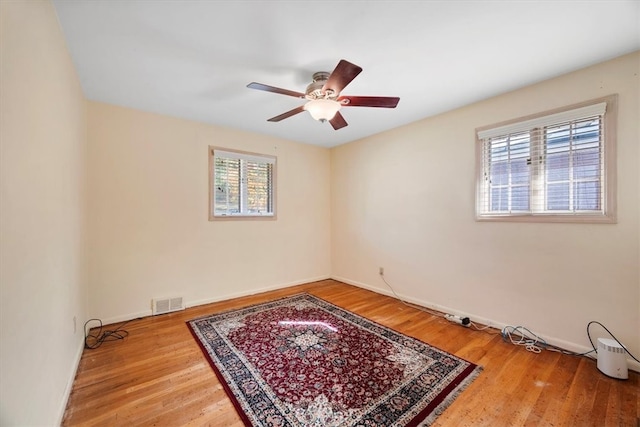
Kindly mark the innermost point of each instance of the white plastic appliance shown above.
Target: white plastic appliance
(612, 360)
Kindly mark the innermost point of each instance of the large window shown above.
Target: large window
(555, 166)
(241, 184)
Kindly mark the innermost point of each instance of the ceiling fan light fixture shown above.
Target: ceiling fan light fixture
(322, 109)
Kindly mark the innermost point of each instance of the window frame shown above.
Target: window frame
(241, 216)
(608, 177)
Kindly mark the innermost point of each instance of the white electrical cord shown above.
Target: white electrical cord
(426, 310)
(524, 337)
(433, 312)
(477, 328)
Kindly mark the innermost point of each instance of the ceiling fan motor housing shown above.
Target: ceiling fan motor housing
(314, 90)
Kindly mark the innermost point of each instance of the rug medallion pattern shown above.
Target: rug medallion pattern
(301, 361)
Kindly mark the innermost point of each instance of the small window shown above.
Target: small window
(241, 185)
(557, 166)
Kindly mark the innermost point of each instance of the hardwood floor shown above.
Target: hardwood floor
(158, 376)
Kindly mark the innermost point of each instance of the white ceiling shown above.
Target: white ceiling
(194, 58)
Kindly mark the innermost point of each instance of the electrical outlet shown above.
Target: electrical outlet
(75, 328)
(381, 271)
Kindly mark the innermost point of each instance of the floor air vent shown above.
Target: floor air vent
(166, 305)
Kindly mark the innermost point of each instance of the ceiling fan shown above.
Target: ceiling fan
(324, 96)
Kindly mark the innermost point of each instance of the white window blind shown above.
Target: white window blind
(546, 120)
(242, 184)
(553, 165)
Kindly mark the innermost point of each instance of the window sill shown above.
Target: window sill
(242, 217)
(541, 218)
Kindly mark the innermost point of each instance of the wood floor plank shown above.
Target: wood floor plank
(159, 376)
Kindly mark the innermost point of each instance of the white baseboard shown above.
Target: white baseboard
(124, 317)
(567, 345)
(224, 297)
(256, 291)
(69, 385)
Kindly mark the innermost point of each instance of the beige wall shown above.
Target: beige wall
(102, 210)
(42, 278)
(404, 200)
(149, 231)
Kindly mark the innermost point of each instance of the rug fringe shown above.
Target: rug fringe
(446, 402)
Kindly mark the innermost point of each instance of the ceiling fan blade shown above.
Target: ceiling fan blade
(369, 101)
(338, 122)
(274, 89)
(288, 114)
(343, 74)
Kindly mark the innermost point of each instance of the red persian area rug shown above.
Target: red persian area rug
(301, 361)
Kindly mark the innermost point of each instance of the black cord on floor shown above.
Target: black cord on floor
(613, 336)
(93, 341)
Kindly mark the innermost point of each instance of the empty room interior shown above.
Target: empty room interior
(483, 164)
